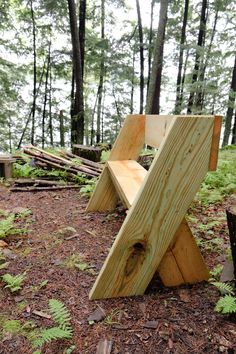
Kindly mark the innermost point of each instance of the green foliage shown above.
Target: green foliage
(14, 283)
(216, 271)
(7, 226)
(26, 171)
(223, 287)
(63, 330)
(12, 326)
(89, 188)
(221, 182)
(226, 305)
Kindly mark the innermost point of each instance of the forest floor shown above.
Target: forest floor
(59, 237)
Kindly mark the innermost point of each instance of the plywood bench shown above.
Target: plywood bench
(155, 235)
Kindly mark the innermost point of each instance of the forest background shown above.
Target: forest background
(71, 71)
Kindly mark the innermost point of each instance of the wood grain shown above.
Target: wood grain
(215, 143)
(156, 128)
(128, 176)
(173, 180)
(104, 196)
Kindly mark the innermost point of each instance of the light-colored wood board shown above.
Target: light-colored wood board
(130, 140)
(187, 258)
(173, 180)
(215, 143)
(104, 196)
(128, 176)
(156, 128)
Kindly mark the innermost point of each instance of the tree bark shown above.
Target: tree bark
(34, 72)
(141, 53)
(46, 94)
(153, 99)
(150, 44)
(77, 112)
(62, 129)
(102, 73)
(179, 97)
(231, 220)
(230, 110)
(233, 142)
(200, 43)
(82, 18)
(200, 92)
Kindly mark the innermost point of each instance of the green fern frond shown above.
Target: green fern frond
(14, 283)
(60, 314)
(223, 287)
(226, 304)
(47, 335)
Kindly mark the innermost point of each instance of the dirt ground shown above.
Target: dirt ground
(164, 320)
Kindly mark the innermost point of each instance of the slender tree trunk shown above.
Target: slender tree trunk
(46, 95)
(150, 45)
(50, 105)
(181, 94)
(179, 98)
(82, 18)
(93, 119)
(153, 99)
(200, 43)
(230, 110)
(10, 135)
(77, 116)
(103, 107)
(118, 114)
(35, 72)
(102, 73)
(233, 141)
(132, 86)
(200, 94)
(141, 53)
(62, 129)
(30, 113)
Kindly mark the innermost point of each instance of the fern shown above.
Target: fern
(226, 304)
(14, 283)
(60, 314)
(64, 330)
(224, 288)
(49, 334)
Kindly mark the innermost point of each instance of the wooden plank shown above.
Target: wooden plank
(104, 196)
(156, 128)
(215, 143)
(183, 262)
(130, 140)
(128, 176)
(179, 167)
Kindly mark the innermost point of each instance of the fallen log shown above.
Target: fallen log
(95, 165)
(51, 188)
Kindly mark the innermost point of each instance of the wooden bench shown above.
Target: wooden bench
(155, 235)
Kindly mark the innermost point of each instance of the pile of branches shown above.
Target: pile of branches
(32, 184)
(64, 162)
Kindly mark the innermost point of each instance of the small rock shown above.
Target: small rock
(104, 346)
(19, 298)
(151, 324)
(8, 254)
(66, 231)
(98, 315)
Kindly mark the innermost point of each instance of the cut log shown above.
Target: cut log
(82, 159)
(231, 220)
(88, 152)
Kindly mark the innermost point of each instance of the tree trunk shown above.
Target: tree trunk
(153, 99)
(82, 18)
(46, 95)
(200, 93)
(231, 220)
(179, 97)
(102, 73)
(132, 85)
(233, 142)
(62, 129)
(200, 43)
(150, 44)
(50, 105)
(141, 53)
(230, 110)
(35, 72)
(77, 112)
(31, 110)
